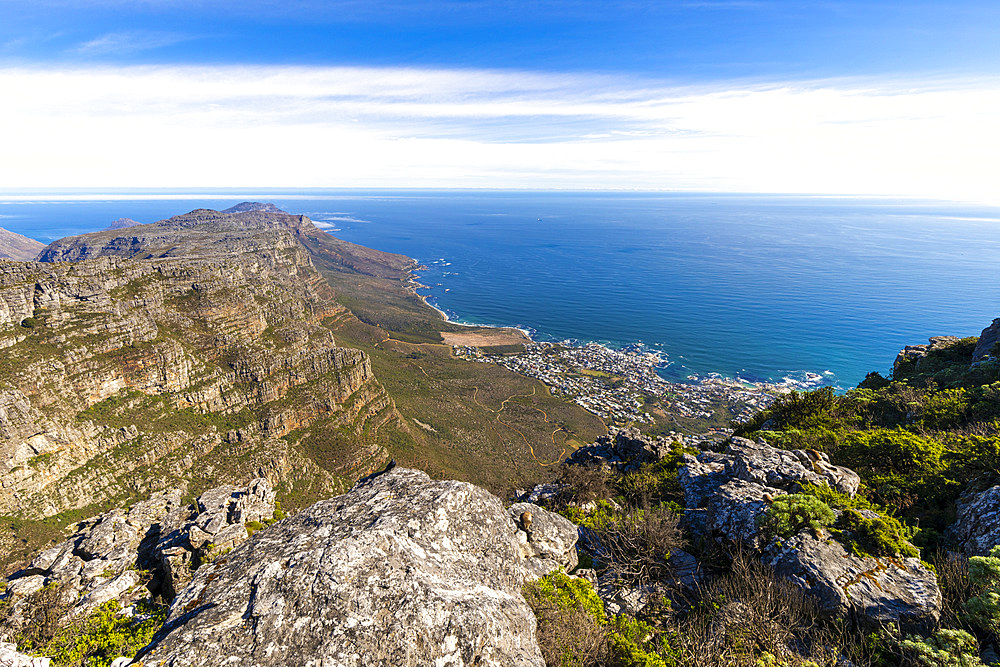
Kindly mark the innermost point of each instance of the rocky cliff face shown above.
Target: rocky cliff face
(17, 247)
(189, 351)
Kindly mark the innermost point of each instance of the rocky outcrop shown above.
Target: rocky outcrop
(10, 657)
(152, 549)
(881, 590)
(987, 345)
(193, 350)
(977, 522)
(123, 223)
(915, 353)
(244, 207)
(727, 494)
(17, 247)
(625, 449)
(402, 570)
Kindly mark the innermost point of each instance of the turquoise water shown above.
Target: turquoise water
(757, 286)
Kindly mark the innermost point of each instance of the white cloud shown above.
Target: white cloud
(130, 41)
(274, 126)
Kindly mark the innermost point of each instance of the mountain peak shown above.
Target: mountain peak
(244, 207)
(17, 247)
(123, 223)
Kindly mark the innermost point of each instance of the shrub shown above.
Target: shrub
(634, 643)
(945, 648)
(29, 323)
(789, 514)
(946, 409)
(574, 630)
(795, 410)
(571, 620)
(892, 451)
(638, 545)
(983, 610)
(584, 484)
(102, 637)
(876, 536)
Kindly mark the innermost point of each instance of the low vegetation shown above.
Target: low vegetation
(918, 439)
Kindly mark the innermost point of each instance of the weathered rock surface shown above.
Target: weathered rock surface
(546, 541)
(9, 657)
(882, 590)
(977, 522)
(918, 352)
(987, 341)
(625, 449)
(402, 570)
(192, 350)
(727, 494)
(17, 247)
(102, 560)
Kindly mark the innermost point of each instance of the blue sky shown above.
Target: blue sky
(846, 97)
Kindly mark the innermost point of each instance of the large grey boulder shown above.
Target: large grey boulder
(987, 341)
(625, 449)
(545, 540)
(735, 509)
(762, 464)
(10, 657)
(881, 590)
(977, 522)
(727, 494)
(401, 570)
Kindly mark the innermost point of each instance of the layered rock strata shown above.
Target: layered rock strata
(192, 350)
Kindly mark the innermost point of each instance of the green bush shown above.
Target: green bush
(634, 643)
(102, 637)
(983, 610)
(789, 514)
(29, 323)
(876, 536)
(565, 593)
(573, 629)
(945, 648)
(946, 409)
(891, 451)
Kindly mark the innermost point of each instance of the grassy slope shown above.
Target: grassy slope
(475, 422)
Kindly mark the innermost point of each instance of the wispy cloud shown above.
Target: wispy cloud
(297, 126)
(130, 41)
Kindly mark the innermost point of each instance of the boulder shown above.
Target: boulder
(735, 509)
(762, 464)
(10, 657)
(880, 590)
(98, 562)
(401, 570)
(626, 449)
(547, 541)
(112, 534)
(726, 495)
(977, 522)
(987, 341)
(701, 477)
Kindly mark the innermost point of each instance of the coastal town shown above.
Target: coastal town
(623, 386)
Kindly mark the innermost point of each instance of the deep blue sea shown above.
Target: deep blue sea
(761, 287)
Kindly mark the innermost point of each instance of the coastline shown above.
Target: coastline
(812, 379)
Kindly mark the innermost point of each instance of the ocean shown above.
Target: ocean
(759, 287)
